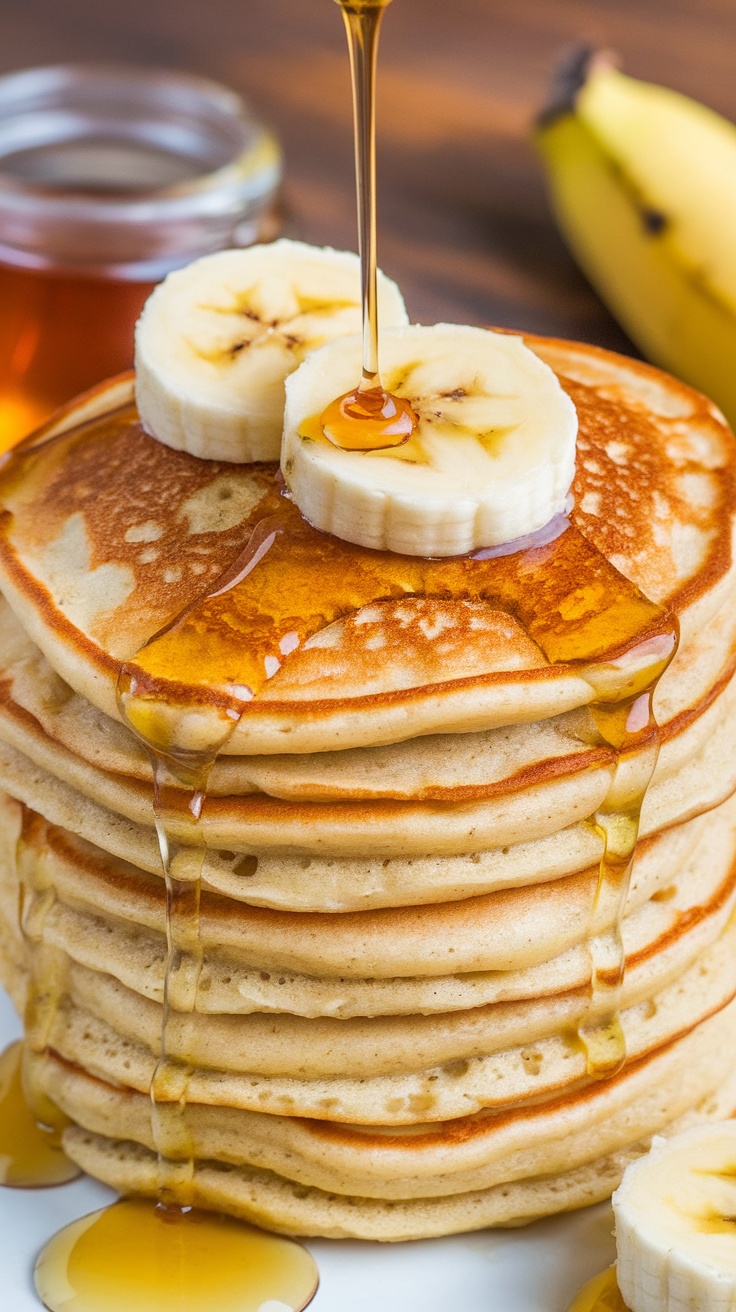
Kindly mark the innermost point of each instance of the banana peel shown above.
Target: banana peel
(643, 184)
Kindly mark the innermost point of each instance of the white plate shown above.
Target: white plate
(537, 1269)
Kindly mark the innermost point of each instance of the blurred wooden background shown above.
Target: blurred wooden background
(464, 223)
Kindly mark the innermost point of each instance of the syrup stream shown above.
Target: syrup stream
(363, 27)
(370, 418)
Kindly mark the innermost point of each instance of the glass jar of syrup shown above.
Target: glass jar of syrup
(110, 177)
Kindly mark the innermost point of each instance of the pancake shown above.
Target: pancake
(502, 933)
(398, 850)
(458, 1087)
(268, 1199)
(37, 706)
(318, 1049)
(104, 1018)
(260, 826)
(662, 938)
(425, 1160)
(659, 504)
(277, 1204)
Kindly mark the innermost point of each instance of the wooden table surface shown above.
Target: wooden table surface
(464, 223)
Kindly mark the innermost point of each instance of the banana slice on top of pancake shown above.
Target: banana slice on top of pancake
(217, 339)
(491, 458)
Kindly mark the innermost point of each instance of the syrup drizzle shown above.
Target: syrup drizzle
(617, 824)
(182, 866)
(368, 418)
(30, 1153)
(31, 1127)
(223, 648)
(187, 1260)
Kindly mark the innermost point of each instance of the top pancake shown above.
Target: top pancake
(106, 536)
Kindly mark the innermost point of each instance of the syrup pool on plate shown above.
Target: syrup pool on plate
(135, 1256)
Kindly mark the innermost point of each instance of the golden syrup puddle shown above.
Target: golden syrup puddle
(134, 1257)
(601, 1294)
(30, 1153)
(370, 419)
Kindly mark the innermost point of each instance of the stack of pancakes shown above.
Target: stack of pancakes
(399, 883)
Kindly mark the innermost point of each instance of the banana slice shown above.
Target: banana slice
(491, 459)
(676, 1224)
(217, 339)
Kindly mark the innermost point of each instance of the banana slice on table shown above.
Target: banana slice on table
(217, 339)
(491, 458)
(676, 1224)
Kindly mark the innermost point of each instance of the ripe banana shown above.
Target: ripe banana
(217, 339)
(491, 458)
(643, 182)
(676, 1224)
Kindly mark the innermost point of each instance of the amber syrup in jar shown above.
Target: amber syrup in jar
(94, 212)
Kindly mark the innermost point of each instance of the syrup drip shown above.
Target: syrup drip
(601, 1294)
(30, 1154)
(31, 1126)
(182, 867)
(368, 418)
(135, 1257)
(617, 824)
(187, 1260)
